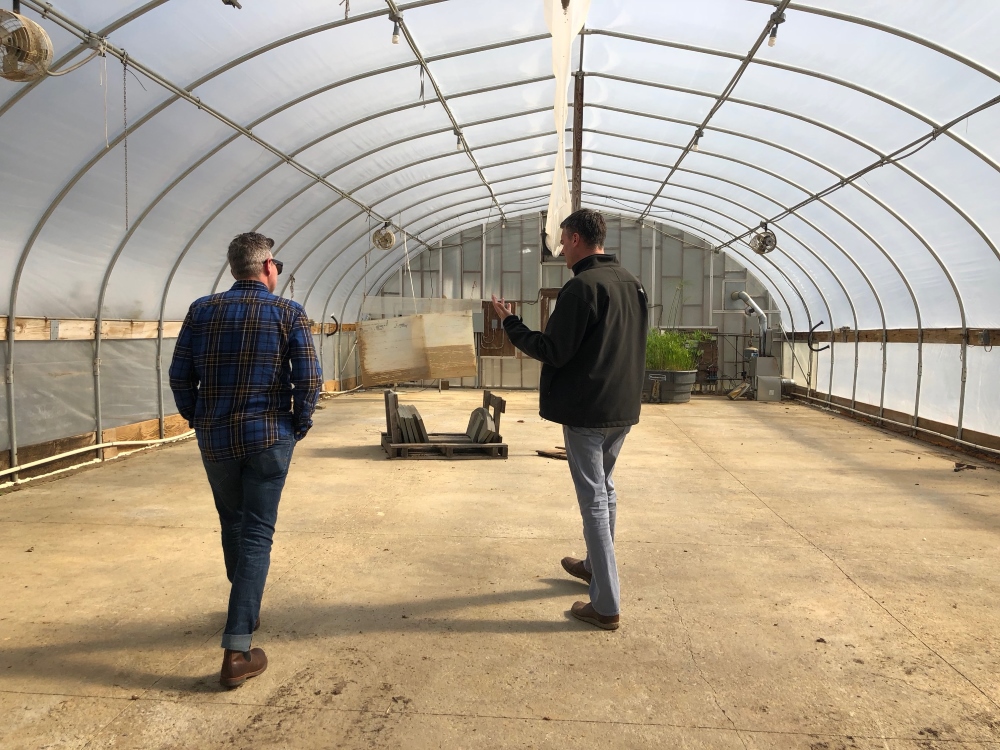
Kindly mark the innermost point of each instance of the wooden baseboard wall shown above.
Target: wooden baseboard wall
(173, 426)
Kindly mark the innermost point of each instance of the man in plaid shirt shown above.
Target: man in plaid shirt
(246, 378)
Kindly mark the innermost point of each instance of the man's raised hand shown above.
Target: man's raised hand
(502, 308)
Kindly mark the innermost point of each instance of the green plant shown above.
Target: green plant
(673, 350)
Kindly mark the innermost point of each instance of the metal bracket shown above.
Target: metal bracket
(9, 373)
(97, 365)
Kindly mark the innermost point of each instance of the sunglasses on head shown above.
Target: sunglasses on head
(277, 264)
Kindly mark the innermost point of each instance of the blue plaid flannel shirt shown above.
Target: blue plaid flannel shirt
(242, 358)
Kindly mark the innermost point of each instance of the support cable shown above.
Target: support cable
(396, 17)
(772, 23)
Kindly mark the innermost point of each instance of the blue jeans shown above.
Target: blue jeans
(247, 491)
(592, 452)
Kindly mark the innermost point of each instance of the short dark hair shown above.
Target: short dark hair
(589, 224)
(247, 253)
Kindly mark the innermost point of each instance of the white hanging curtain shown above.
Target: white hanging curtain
(565, 19)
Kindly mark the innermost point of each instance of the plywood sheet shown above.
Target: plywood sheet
(417, 347)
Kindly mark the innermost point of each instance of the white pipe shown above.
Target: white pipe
(761, 317)
(91, 448)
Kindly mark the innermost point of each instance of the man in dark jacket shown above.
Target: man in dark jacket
(593, 355)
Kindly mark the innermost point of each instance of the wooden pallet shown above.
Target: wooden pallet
(447, 445)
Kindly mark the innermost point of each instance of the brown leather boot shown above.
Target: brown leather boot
(575, 568)
(585, 612)
(237, 668)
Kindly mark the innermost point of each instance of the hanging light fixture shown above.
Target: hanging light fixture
(776, 18)
(697, 137)
(458, 141)
(395, 29)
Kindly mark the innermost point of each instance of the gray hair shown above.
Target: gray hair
(247, 253)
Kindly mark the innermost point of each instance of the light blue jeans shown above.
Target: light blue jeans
(592, 452)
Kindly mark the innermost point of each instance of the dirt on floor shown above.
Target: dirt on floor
(790, 579)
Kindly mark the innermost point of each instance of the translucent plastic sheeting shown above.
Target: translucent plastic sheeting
(128, 382)
(913, 244)
(869, 385)
(982, 407)
(843, 370)
(821, 368)
(53, 390)
(901, 377)
(166, 355)
(939, 386)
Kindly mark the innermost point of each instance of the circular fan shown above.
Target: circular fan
(25, 48)
(763, 242)
(383, 238)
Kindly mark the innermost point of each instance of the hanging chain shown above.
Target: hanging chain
(347, 7)
(291, 286)
(125, 121)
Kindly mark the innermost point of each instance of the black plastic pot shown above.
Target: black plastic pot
(668, 386)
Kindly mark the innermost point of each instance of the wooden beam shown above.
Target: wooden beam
(82, 329)
(904, 336)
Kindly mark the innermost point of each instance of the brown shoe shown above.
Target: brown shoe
(576, 568)
(585, 612)
(237, 668)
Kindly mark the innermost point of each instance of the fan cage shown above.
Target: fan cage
(25, 48)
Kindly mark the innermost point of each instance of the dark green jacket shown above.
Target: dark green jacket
(593, 350)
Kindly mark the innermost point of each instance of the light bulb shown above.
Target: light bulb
(695, 146)
(773, 39)
(458, 143)
(395, 32)
(697, 139)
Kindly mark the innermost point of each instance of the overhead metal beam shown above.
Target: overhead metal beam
(397, 17)
(726, 92)
(894, 103)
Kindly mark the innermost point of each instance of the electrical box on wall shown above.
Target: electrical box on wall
(493, 340)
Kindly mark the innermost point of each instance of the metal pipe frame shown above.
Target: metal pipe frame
(750, 261)
(398, 18)
(719, 101)
(432, 212)
(868, 194)
(135, 14)
(794, 262)
(761, 273)
(838, 246)
(427, 199)
(350, 245)
(790, 257)
(875, 243)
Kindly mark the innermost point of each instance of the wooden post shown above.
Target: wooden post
(576, 189)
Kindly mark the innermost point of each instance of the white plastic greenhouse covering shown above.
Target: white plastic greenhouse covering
(301, 119)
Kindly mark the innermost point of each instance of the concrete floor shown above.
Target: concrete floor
(790, 580)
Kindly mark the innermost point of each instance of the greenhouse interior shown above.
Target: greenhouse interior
(246, 241)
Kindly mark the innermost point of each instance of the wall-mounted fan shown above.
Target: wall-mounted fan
(25, 48)
(763, 241)
(383, 238)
